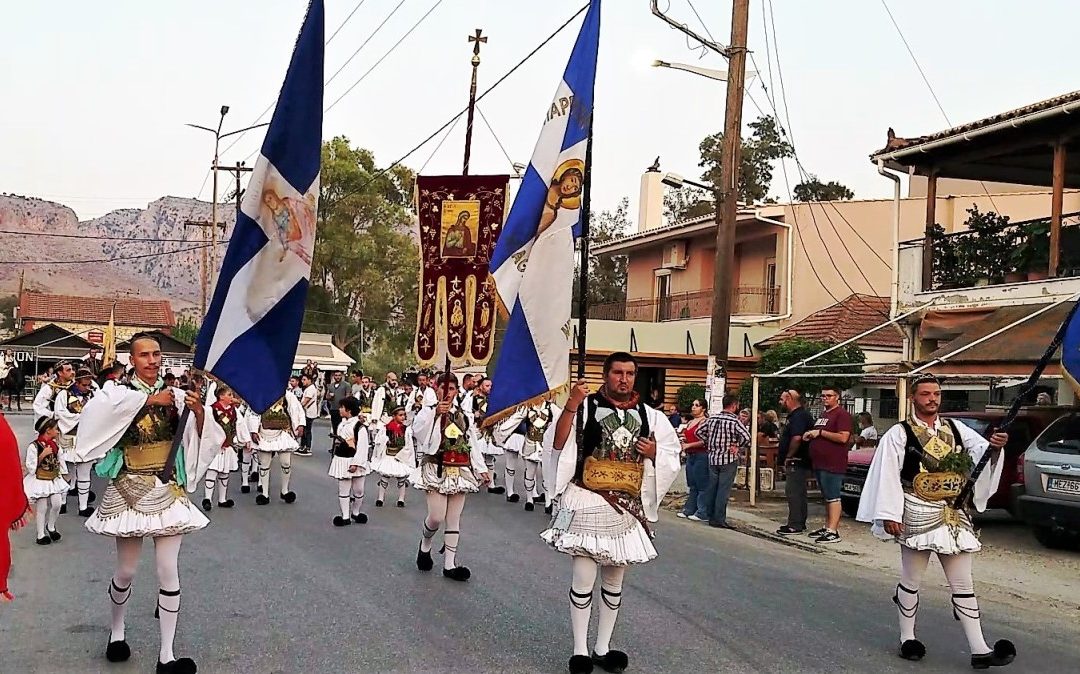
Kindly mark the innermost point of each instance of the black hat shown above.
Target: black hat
(43, 424)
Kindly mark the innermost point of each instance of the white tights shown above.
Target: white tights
(166, 554)
(443, 508)
(46, 510)
(81, 483)
(957, 570)
(221, 480)
(351, 495)
(513, 463)
(384, 484)
(581, 597)
(284, 460)
(489, 461)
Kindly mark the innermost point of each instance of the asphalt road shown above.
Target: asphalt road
(278, 589)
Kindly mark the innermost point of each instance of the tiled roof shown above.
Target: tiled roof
(842, 321)
(897, 143)
(95, 310)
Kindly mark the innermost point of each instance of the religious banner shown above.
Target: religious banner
(460, 220)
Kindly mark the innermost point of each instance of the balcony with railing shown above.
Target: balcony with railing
(747, 301)
(993, 261)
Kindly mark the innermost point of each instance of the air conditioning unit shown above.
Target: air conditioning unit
(674, 255)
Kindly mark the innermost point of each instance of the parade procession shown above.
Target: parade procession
(502, 493)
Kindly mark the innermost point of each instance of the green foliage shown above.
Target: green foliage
(813, 189)
(365, 264)
(186, 330)
(990, 243)
(687, 203)
(607, 273)
(956, 462)
(687, 394)
(793, 351)
(765, 146)
(7, 315)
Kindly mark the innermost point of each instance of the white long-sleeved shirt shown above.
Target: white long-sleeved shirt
(429, 438)
(347, 432)
(66, 418)
(32, 451)
(882, 498)
(43, 401)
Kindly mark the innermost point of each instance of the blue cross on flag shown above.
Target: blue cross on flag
(249, 337)
(533, 262)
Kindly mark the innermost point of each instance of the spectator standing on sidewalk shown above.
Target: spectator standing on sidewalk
(337, 391)
(829, 440)
(868, 435)
(796, 457)
(310, 402)
(725, 437)
(697, 465)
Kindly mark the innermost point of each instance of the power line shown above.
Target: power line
(487, 91)
(439, 146)
(364, 43)
(338, 30)
(390, 51)
(700, 20)
(496, 136)
(118, 258)
(918, 66)
(124, 239)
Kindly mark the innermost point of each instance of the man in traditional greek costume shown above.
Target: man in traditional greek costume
(524, 433)
(611, 478)
(45, 400)
(450, 467)
(276, 435)
(909, 496)
(475, 405)
(130, 429)
(68, 407)
(383, 403)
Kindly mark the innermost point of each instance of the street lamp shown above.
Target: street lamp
(712, 74)
(214, 168)
(677, 181)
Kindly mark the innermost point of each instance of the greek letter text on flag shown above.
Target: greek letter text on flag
(533, 262)
(249, 337)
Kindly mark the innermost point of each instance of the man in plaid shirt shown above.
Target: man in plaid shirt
(725, 437)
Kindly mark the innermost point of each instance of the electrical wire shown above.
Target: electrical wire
(383, 58)
(364, 43)
(125, 239)
(496, 136)
(487, 91)
(439, 146)
(119, 258)
(338, 30)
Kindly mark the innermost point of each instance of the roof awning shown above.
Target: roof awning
(1015, 350)
(321, 350)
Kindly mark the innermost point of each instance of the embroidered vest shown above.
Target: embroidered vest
(342, 448)
(454, 448)
(539, 419)
(395, 440)
(919, 473)
(76, 401)
(365, 399)
(277, 417)
(226, 418)
(607, 457)
(49, 467)
(147, 441)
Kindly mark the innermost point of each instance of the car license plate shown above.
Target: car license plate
(1062, 485)
(851, 488)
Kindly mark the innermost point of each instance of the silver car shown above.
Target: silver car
(1051, 503)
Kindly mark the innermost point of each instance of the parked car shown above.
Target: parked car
(1051, 502)
(1029, 423)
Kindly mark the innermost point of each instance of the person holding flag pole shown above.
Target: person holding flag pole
(601, 525)
(926, 472)
(247, 341)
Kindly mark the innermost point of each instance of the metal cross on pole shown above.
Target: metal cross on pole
(476, 39)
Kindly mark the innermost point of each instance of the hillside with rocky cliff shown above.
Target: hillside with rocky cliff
(149, 252)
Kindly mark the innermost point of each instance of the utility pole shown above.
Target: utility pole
(727, 197)
(203, 276)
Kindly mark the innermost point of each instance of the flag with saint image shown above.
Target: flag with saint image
(533, 262)
(249, 336)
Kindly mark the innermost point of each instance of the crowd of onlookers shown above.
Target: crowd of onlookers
(714, 443)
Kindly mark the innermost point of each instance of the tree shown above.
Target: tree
(765, 146)
(813, 189)
(687, 203)
(7, 313)
(607, 273)
(364, 271)
(795, 350)
(186, 330)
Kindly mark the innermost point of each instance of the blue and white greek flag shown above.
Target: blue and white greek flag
(533, 262)
(250, 334)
